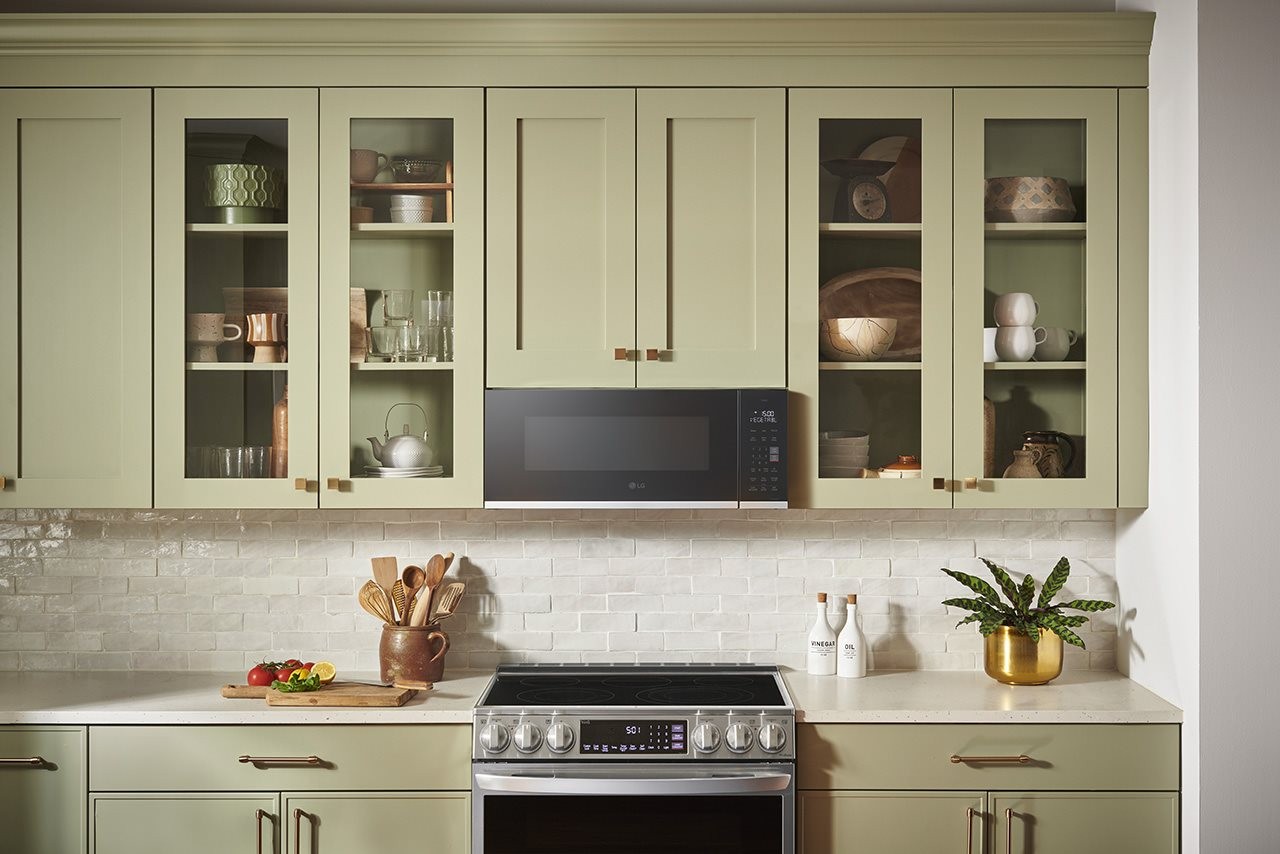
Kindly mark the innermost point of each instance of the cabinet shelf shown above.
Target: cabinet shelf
(249, 228)
(1035, 366)
(237, 366)
(402, 366)
(385, 230)
(870, 366)
(1036, 230)
(871, 230)
(402, 188)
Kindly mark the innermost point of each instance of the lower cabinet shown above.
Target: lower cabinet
(889, 822)
(42, 790)
(373, 823)
(194, 823)
(1071, 822)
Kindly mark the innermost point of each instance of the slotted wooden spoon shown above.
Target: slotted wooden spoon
(448, 600)
(374, 600)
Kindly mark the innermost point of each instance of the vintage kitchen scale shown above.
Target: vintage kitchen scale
(861, 196)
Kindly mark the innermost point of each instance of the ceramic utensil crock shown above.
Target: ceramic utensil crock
(412, 655)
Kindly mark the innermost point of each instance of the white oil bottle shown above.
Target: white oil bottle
(851, 655)
(822, 643)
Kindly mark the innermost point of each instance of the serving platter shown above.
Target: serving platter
(879, 292)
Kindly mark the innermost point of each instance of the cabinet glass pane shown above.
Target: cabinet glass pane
(1035, 347)
(870, 311)
(236, 297)
(402, 306)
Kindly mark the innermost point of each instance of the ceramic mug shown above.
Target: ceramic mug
(267, 333)
(1057, 343)
(989, 343)
(1016, 309)
(205, 331)
(366, 164)
(1018, 343)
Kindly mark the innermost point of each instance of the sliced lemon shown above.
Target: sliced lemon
(302, 673)
(325, 670)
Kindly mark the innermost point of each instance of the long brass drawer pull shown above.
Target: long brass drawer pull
(1008, 831)
(1021, 759)
(29, 762)
(968, 833)
(279, 760)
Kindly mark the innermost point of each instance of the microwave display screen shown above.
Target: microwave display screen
(632, 737)
(628, 443)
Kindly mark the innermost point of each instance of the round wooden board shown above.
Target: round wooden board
(878, 292)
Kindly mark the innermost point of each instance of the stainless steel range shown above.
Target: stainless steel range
(671, 758)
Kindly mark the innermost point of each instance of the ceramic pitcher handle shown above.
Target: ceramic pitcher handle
(1071, 449)
(1040, 333)
(1072, 337)
(239, 332)
(444, 647)
(384, 163)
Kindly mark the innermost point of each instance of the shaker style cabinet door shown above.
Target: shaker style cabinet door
(193, 823)
(75, 298)
(359, 823)
(890, 822)
(43, 776)
(1070, 822)
(401, 296)
(711, 238)
(1036, 240)
(236, 343)
(561, 238)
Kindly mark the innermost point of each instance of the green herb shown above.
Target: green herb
(989, 612)
(295, 683)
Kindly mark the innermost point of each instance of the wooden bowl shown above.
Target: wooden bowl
(1028, 199)
(856, 339)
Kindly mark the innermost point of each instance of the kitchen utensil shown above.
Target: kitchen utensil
(907, 466)
(405, 450)
(345, 694)
(243, 192)
(205, 331)
(401, 600)
(267, 332)
(412, 654)
(1028, 199)
(366, 164)
(413, 578)
(376, 601)
(1057, 343)
(437, 566)
(861, 196)
(1018, 343)
(382, 341)
(989, 343)
(878, 292)
(1046, 453)
(415, 169)
(1015, 309)
(1023, 466)
(385, 572)
(448, 600)
(856, 339)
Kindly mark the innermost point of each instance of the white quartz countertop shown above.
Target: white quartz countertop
(892, 696)
(881, 697)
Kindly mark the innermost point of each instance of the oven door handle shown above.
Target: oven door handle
(737, 784)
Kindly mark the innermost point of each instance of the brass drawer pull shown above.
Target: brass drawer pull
(29, 762)
(279, 760)
(968, 834)
(335, 484)
(940, 483)
(655, 355)
(258, 816)
(970, 483)
(297, 831)
(303, 485)
(1021, 759)
(621, 354)
(2, 482)
(1008, 831)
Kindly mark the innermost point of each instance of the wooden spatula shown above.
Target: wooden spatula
(385, 571)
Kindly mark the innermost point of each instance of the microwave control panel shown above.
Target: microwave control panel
(762, 440)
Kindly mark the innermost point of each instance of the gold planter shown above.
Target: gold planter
(1014, 659)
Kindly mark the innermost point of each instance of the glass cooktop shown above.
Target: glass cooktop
(634, 685)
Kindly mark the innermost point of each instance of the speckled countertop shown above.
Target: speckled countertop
(881, 697)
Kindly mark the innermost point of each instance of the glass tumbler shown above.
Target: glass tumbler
(230, 461)
(437, 308)
(383, 341)
(411, 343)
(397, 306)
(257, 461)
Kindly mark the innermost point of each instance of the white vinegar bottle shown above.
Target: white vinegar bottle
(851, 656)
(822, 643)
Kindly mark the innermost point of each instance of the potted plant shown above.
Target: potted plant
(1023, 641)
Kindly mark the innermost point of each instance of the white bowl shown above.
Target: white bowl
(856, 339)
(835, 459)
(411, 200)
(840, 471)
(845, 436)
(413, 215)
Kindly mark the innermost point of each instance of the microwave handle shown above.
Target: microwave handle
(726, 785)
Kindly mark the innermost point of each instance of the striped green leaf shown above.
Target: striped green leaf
(1026, 592)
(1090, 605)
(977, 585)
(1053, 584)
(1056, 624)
(1001, 576)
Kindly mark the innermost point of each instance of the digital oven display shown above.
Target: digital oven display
(643, 737)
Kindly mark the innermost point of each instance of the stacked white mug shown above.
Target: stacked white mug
(1016, 336)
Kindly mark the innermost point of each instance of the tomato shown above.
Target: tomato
(292, 663)
(309, 665)
(261, 675)
(283, 674)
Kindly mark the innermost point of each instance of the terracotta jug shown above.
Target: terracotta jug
(1023, 465)
(1045, 452)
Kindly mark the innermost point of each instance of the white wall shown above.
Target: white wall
(1239, 405)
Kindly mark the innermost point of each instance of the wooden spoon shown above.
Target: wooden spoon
(413, 578)
(434, 573)
(449, 598)
(385, 571)
(374, 600)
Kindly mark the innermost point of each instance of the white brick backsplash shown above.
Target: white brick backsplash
(223, 589)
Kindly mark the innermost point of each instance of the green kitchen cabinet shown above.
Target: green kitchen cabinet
(75, 298)
(42, 789)
(1070, 822)
(363, 822)
(191, 822)
(636, 238)
(889, 822)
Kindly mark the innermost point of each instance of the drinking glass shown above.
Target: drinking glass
(411, 343)
(446, 343)
(257, 461)
(383, 341)
(230, 461)
(397, 306)
(437, 308)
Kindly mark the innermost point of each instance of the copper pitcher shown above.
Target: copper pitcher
(412, 656)
(1046, 453)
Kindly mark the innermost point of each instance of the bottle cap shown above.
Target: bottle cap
(822, 597)
(853, 598)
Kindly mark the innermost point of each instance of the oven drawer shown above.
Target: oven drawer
(208, 758)
(1118, 757)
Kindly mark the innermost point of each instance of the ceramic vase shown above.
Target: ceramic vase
(1023, 465)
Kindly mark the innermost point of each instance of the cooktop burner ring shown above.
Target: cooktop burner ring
(637, 680)
(564, 696)
(694, 695)
(550, 681)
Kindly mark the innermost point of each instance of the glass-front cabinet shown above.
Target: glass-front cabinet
(235, 297)
(1036, 327)
(870, 297)
(402, 243)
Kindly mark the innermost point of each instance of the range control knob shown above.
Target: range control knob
(706, 738)
(494, 738)
(560, 738)
(772, 738)
(528, 738)
(738, 738)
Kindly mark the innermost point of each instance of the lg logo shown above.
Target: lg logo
(634, 485)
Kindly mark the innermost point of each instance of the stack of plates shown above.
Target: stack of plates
(843, 453)
(420, 471)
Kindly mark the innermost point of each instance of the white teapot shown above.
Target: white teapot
(406, 450)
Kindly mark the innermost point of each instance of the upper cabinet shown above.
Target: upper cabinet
(75, 298)
(636, 238)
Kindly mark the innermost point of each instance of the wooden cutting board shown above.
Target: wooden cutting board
(343, 694)
(245, 692)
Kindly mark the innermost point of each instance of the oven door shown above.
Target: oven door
(632, 808)
(610, 448)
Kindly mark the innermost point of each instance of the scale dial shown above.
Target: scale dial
(868, 200)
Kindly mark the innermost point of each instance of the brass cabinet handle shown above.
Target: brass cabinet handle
(28, 762)
(279, 760)
(2, 482)
(334, 484)
(300, 484)
(1020, 759)
(258, 816)
(655, 355)
(297, 831)
(621, 354)
(970, 483)
(968, 834)
(1008, 830)
(940, 483)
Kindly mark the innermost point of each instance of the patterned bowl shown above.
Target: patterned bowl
(856, 339)
(1029, 199)
(243, 185)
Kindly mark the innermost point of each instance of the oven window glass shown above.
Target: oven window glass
(577, 824)
(631, 443)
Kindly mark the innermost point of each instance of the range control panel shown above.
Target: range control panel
(762, 439)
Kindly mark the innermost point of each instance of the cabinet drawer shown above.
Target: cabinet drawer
(42, 806)
(206, 758)
(918, 756)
